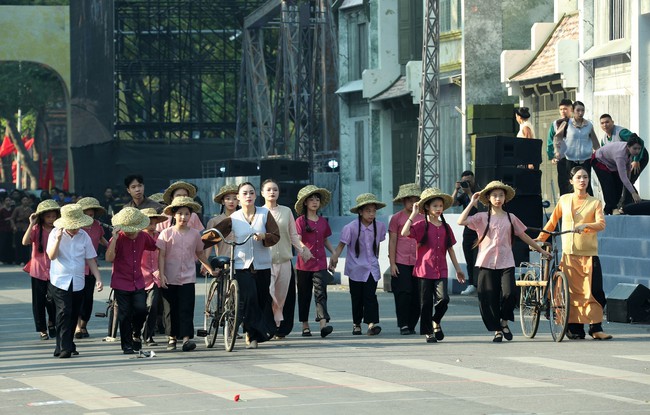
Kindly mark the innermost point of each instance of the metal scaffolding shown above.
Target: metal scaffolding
(177, 67)
(292, 108)
(428, 155)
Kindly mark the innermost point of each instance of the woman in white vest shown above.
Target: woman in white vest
(252, 263)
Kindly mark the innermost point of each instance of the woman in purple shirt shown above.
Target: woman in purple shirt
(313, 231)
(435, 240)
(362, 237)
(612, 164)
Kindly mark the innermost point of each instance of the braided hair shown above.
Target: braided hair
(375, 246)
(425, 237)
(487, 227)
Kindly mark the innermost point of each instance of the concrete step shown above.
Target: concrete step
(617, 246)
(622, 226)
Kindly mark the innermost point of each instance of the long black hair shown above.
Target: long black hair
(175, 209)
(375, 246)
(487, 226)
(304, 211)
(425, 237)
(40, 222)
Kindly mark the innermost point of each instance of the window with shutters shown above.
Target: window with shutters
(617, 19)
(410, 27)
(357, 44)
(611, 20)
(450, 12)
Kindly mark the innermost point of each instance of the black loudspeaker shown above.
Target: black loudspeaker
(284, 170)
(525, 181)
(527, 209)
(641, 208)
(629, 303)
(289, 194)
(236, 168)
(507, 151)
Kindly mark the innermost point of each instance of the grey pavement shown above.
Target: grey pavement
(464, 374)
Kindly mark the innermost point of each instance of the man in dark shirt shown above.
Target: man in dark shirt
(135, 188)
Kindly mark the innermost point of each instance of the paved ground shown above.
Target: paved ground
(464, 374)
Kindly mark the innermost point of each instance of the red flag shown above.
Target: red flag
(8, 148)
(66, 178)
(49, 174)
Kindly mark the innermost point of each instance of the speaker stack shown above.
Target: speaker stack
(509, 159)
(629, 303)
(290, 175)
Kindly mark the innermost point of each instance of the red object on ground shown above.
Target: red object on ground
(236, 398)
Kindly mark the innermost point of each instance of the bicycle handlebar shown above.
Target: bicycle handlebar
(223, 238)
(552, 233)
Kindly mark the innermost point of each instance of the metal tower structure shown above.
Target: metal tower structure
(292, 108)
(428, 155)
(177, 67)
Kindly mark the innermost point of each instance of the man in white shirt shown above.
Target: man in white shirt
(69, 248)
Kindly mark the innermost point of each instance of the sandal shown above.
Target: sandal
(356, 330)
(78, 335)
(374, 330)
(44, 336)
(431, 338)
(498, 337)
(306, 332)
(84, 333)
(438, 333)
(325, 331)
(171, 345)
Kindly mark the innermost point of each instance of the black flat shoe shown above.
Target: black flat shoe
(188, 346)
(78, 335)
(128, 350)
(404, 331)
(306, 332)
(431, 338)
(498, 338)
(356, 330)
(51, 331)
(325, 331)
(65, 354)
(44, 336)
(506, 332)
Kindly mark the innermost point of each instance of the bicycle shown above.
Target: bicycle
(222, 299)
(546, 290)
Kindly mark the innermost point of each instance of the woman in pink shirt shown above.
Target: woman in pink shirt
(402, 251)
(496, 230)
(41, 224)
(312, 269)
(179, 245)
(435, 240)
(149, 266)
(92, 208)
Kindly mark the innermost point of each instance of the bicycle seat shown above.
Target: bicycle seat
(219, 262)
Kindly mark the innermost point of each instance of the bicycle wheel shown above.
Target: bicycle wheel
(529, 306)
(231, 316)
(211, 315)
(559, 307)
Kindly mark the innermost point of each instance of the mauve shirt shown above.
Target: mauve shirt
(315, 241)
(180, 250)
(431, 263)
(406, 248)
(358, 269)
(127, 271)
(495, 252)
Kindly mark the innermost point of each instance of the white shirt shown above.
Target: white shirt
(252, 252)
(69, 265)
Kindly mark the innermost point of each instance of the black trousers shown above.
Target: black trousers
(153, 299)
(470, 252)
(42, 302)
(627, 196)
(87, 302)
(564, 167)
(289, 308)
(178, 301)
(433, 294)
(21, 252)
(308, 280)
(364, 301)
(131, 314)
(7, 247)
(256, 303)
(406, 289)
(611, 186)
(496, 298)
(67, 304)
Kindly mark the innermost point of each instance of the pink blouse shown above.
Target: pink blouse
(149, 267)
(432, 256)
(406, 247)
(180, 250)
(39, 265)
(315, 241)
(495, 252)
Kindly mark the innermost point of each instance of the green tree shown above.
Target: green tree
(27, 87)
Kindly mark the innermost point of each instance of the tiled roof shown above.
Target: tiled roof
(398, 89)
(543, 64)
